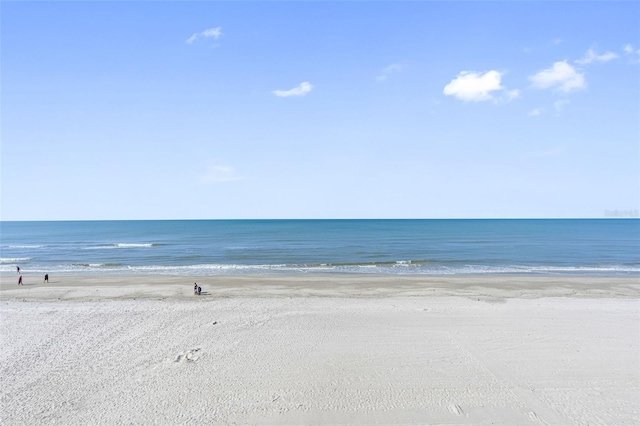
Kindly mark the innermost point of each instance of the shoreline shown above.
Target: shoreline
(149, 286)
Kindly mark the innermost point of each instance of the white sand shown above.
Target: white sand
(320, 350)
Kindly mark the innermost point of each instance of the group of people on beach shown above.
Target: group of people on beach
(46, 277)
(197, 290)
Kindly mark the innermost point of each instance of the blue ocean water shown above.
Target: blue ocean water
(210, 247)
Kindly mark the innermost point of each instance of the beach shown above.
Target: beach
(320, 349)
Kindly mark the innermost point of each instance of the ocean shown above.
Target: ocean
(221, 247)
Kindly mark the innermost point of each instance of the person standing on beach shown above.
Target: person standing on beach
(46, 278)
(20, 280)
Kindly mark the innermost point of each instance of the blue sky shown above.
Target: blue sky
(234, 110)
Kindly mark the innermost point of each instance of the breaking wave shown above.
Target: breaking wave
(6, 260)
(383, 268)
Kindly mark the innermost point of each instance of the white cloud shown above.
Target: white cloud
(393, 68)
(300, 90)
(474, 87)
(592, 56)
(512, 94)
(212, 32)
(219, 174)
(216, 33)
(561, 76)
(534, 112)
(629, 50)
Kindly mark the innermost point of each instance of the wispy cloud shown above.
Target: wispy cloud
(472, 86)
(534, 112)
(592, 56)
(387, 71)
(219, 174)
(560, 105)
(214, 33)
(511, 95)
(629, 50)
(561, 76)
(300, 90)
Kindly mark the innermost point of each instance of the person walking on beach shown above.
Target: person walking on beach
(20, 280)
(18, 269)
(46, 278)
(195, 288)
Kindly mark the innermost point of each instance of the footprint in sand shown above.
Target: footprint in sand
(188, 356)
(534, 417)
(456, 409)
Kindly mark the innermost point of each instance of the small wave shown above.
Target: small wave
(407, 263)
(203, 268)
(570, 269)
(121, 245)
(523, 269)
(99, 248)
(6, 260)
(97, 265)
(26, 246)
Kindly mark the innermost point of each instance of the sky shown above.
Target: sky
(287, 110)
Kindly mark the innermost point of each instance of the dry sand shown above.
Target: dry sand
(320, 350)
